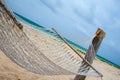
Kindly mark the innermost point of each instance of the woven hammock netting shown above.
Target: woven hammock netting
(46, 60)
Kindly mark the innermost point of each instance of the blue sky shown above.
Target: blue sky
(77, 20)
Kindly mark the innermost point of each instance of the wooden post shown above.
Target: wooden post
(4, 6)
(84, 60)
(91, 53)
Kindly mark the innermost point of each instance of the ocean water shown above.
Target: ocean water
(50, 32)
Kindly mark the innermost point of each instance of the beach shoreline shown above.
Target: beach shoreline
(30, 52)
(50, 33)
(10, 70)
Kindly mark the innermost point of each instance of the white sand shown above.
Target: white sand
(11, 71)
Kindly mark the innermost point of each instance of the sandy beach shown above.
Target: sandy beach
(11, 71)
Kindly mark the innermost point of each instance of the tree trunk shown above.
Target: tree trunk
(91, 53)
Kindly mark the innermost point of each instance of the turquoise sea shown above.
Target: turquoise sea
(50, 32)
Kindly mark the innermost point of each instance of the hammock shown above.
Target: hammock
(61, 59)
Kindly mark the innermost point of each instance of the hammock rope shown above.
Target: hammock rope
(50, 59)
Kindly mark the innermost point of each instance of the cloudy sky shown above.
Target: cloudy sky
(77, 20)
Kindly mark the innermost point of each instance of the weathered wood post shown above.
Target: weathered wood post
(91, 53)
(4, 6)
